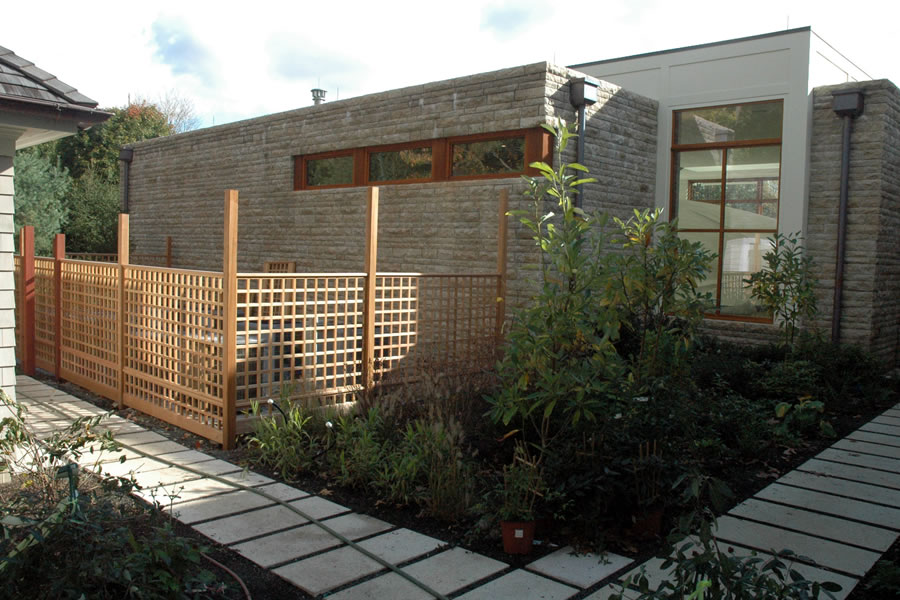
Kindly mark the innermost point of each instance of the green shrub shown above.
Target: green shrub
(283, 442)
(785, 286)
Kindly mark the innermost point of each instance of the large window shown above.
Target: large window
(482, 156)
(726, 186)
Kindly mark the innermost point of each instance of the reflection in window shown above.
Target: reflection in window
(732, 208)
(334, 170)
(489, 157)
(398, 165)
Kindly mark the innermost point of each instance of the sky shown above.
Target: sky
(241, 60)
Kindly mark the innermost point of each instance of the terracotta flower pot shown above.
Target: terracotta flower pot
(518, 536)
(648, 522)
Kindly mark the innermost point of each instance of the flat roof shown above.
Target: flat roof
(698, 46)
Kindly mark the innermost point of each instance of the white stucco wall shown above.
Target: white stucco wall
(762, 68)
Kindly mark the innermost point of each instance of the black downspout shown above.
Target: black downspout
(126, 155)
(848, 104)
(582, 91)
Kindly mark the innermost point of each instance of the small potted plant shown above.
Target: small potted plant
(523, 483)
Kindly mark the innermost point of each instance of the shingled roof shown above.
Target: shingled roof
(21, 79)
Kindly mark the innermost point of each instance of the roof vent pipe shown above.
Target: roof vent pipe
(318, 96)
(582, 92)
(847, 104)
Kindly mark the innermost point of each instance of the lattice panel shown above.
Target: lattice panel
(304, 331)
(89, 337)
(17, 281)
(44, 313)
(174, 347)
(440, 324)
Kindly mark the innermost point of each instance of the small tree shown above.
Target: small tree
(785, 286)
(40, 187)
(560, 362)
(93, 208)
(654, 282)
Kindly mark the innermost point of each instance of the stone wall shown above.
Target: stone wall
(7, 283)
(177, 183)
(871, 295)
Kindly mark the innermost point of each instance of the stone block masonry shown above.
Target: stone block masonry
(176, 183)
(871, 296)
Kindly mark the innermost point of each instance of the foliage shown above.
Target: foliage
(41, 187)
(698, 557)
(93, 540)
(654, 282)
(178, 110)
(560, 365)
(885, 580)
(21, 451)
(523, 484)
(283, 444)
(97, 149)
(93, 212)
(785, 286)
(803, 418)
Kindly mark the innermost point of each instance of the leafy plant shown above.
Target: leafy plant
(700, 566)
(523, 484)
(785, 286)
(654, 283)
(803, 418)
(560, 365)
(283, 442)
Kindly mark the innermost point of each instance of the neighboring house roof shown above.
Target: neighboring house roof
(39, 104)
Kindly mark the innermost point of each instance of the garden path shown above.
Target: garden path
(841, 508)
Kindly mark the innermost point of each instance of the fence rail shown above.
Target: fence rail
(157, 339)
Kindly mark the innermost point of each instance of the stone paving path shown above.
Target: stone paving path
(841, 508)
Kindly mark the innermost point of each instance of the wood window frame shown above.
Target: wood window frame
(724, 146)
(538, 148)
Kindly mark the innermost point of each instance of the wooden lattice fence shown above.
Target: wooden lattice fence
(195, 348)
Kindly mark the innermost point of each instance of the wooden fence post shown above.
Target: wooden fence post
(26, 299)
(229, 325)
(502, 232)
(59, 254)
(169, 251)
(371, 267)
(124, 259)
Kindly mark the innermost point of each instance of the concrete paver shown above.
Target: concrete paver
(849, 457)
(287, 545)
(842, 487)
(324, 572)
(445, 572)
(141, 437)
(857, 510)
(318, 507)
(217, 506)
(521, 584)
(867, 448)
(888, 430)
(282, 491)
(852, 473)
(236, 528)
(833, 555)
(887, 420)
(183, 492)
(875, 438)
(841, 530)
(581, 570)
